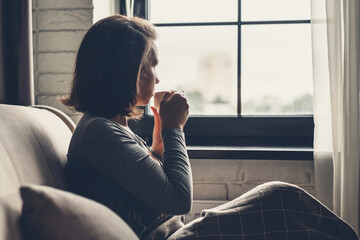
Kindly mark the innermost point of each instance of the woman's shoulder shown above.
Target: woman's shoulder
(94, 134)
(91, 125)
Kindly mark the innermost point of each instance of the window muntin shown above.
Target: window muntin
(274, 68)
(237, 130)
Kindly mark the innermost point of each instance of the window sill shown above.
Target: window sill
(255, 153)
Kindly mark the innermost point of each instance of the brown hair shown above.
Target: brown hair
(107, 67)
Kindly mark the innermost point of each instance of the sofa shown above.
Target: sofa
(34, 201)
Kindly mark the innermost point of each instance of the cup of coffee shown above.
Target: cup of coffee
(158, 97)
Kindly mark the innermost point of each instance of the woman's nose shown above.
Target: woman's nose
(156, 78)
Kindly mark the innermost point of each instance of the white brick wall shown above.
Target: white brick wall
(61, 62)
(64, 19)
(60, 83)
(59, 41)
(210, 191)
(67, 4)
(228, 179)
(59, 26)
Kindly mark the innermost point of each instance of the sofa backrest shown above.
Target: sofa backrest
(33, 147)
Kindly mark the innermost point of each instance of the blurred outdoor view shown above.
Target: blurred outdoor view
(276, 63)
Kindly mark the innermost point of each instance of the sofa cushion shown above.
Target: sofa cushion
(50, 213)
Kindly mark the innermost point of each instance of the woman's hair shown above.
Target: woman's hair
(107, 67)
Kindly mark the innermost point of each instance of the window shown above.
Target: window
(245, 66)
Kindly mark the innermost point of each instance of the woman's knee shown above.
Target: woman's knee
(279, 185)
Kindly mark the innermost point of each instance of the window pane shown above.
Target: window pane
(176, 11)
(202, 61)
(260, 10)
(276, 69)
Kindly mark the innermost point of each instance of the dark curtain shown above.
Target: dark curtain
(16, 66)
(140, 8)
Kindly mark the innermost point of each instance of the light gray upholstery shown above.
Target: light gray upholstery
(33, 147)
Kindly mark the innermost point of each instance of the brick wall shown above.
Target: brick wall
(228, 179)
(59, 25)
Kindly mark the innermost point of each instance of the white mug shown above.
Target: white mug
(158, 97)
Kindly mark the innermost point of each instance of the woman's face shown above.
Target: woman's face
(148, 78)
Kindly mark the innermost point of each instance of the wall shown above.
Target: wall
(228, 179)
(218, 181)
(58, 28)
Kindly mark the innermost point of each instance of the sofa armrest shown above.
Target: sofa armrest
(65, 118)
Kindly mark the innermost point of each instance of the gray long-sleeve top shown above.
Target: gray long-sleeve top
(110, 164)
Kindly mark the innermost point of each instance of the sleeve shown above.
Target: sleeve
(119, 157)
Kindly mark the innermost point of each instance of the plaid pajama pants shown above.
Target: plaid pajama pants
(271, 211)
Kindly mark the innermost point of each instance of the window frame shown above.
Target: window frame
(267, 131)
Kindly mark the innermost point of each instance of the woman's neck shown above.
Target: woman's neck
(120, 120)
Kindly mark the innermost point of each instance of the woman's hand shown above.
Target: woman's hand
(157, 144)
(174, 110)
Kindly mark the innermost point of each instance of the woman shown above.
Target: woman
(115, 73)
(150, 188)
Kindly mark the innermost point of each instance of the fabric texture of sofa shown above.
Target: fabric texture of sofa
(33, 146)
